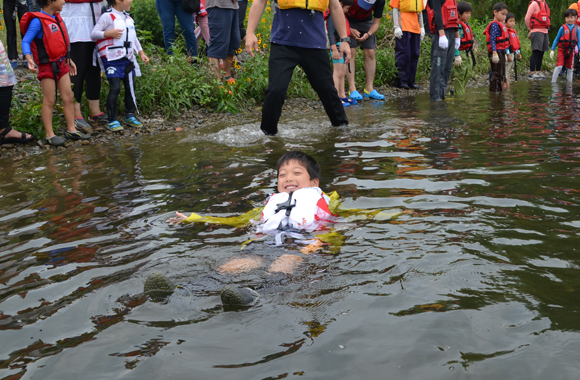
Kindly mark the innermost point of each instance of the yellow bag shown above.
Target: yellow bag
(411, 6)
(317, 5)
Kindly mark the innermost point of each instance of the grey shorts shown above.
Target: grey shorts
(540, 41)
(363, 27)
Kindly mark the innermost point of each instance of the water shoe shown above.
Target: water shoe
(355, 95)
(115, 126)
(374, 95)
(345, 102)
(133, 122)
(76, 135)
(102, 117)
(229, 80)
(82, 123)
(55, 141)
(350, 100)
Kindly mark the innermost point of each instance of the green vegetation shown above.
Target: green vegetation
(170, 84)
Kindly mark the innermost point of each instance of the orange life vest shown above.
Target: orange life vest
(569, 38)
(502, 42)
(578, 9)
(514, 40)
(54, 44)
(467, 39)
(448, 14)
(540, 19)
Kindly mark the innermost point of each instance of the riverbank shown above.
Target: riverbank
(194, 118)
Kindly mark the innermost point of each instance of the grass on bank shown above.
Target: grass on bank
(170, 84)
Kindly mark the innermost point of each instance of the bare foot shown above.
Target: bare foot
(176, 219)
(286, 263)
(241, 265)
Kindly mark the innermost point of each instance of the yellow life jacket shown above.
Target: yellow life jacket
(317, 5)
(411, 6)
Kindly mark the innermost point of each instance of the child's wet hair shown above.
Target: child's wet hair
(44, 3)
(570, 12)
(498, 7)
(509, 15)
(463, 6)
(305, 160)
(347, 2)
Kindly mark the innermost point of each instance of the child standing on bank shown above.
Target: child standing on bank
(45, 47)
(464, 69)
(567, 39)
(514, 49)
(339, 68)
(538, 22)
(497, 43)
(117, 44)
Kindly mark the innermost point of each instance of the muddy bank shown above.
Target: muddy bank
(197, 117)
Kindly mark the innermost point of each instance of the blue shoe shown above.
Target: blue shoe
(14, 64)
(355, 95)
(352, 101)
(374, 95)
(133, 122)
(347, 102)
(115, 126)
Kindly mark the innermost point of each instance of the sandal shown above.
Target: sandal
(351, 101)
(12, 140)
(345, 102)
(374, 95)
(355, 95)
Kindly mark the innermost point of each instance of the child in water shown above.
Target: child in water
(299, 204)
(567, 40)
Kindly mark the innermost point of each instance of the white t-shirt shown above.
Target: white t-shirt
(78, 19)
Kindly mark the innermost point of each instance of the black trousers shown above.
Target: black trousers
(497, 72)
(5, 100)
(316, 65)
(114, 90)
(536, 60)
(9, 7)
(82, 55)
(242, 16)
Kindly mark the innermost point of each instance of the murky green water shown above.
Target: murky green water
(480, 281)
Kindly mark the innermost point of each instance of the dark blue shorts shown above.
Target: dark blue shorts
(224, 32)
(118, 68)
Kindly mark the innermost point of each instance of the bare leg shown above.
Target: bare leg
(66, 94)
(370, 68)
(286, 263)
(228, 66)
(241, 265)
(350, 73)
(47, 85)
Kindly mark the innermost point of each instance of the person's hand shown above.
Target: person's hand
(114, 33)
(398, 33)
(143, 57)
(335, 55)
(422, 33)
(551, 54)
(529, 33)
(72, 67)
(345, 52)
(178, 218)
(457, 43)
(509, 58)
(363, 37)
(252, 44)
(443, 42)
(520, 56)
(495, 58)
(30, 63)
(457, 61)
(355, 33)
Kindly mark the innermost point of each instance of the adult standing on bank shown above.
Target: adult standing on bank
(168, 10)
(364, 18)
(443, 24)
(298, 37)
(10, 7)
(224, 35)
(80, 17)
(538, 22)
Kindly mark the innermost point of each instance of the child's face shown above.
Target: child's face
(56, 5)
(123, 5)
(500, 15)
(293, 176)
(571, 19)
(465, 16)
(511, 23)
(345, 8)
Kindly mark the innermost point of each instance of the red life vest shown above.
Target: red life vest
(502, 42)
(357, 13)
(54, 44)
(569, 38)
(327, 14)
(467, 39)
(448, 14)
(540, 19)
(514, 40)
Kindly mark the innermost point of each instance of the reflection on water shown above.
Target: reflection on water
(479, 278)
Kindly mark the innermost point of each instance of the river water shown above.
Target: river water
(480, 279)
